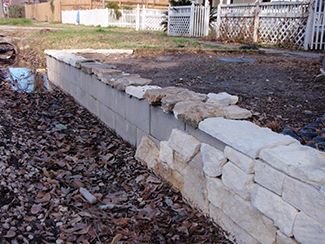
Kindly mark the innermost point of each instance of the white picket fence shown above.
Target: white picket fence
(315, 31)
(291, 23)
(139, 18)
(190, 20)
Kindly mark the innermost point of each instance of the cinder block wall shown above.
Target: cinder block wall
(260, 186)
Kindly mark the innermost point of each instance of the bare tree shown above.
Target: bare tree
(2, 13)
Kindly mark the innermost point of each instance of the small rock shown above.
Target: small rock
(222, 99)
(87, 195)
(236, 112)
(139, 91)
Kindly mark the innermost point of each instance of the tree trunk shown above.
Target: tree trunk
(2, 13)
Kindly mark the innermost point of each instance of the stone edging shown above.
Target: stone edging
(258, 185)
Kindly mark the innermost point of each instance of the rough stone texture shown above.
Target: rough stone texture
(168, 102)
(269, 177)
(283, 239)
(123, 82)
(147, 152)
(275, 208)
(243, 136)
(236, 112)
(301, 162)
(139, 91)
(193, 112)
(175, 179)
(154, 96)
(178, 163)
(222, 98)
(111, 79)
(108, 72)
(240, 211)
(194, 188)
(169, 96)
(307, 230)
(237, 180)
(166, 153)
(237, 234)
(305, 197)
(244, 162)
(213, 160)
(90, 66)
(185, 145)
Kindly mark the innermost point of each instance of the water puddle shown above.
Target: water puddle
(26, 80)
(237, 60)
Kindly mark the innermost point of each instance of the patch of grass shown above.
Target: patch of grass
(21, 21)
(78, 37)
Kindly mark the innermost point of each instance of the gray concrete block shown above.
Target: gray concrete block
(138, 113)
(161, 123)
(125, 130)
(92, 105)
(103, 92)
(205, 138)
(74, 76)
(120, 98)
(81, 96)
(84, 80)
(107, 116)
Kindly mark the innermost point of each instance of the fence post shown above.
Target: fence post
(168, 20)
(218, 22)
(256, 20)
(191, 30)
(309, 26)
(206, 18)
(143, 19)
(137, 18)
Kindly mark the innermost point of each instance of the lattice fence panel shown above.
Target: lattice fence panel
(153, 19)
(235, 29)
(179, 19)
(283, 23)
(282, 31)
(270, 23)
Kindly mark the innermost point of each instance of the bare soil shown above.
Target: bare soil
(281, 90)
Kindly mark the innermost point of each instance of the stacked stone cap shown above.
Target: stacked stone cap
(301, 162)
(244, 136)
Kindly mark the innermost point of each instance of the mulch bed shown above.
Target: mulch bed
(49, 148)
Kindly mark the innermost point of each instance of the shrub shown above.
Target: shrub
(16, 11)
(115, 7)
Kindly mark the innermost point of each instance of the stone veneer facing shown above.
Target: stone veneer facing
(260, 186)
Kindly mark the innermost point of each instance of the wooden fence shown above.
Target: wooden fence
(51, 11)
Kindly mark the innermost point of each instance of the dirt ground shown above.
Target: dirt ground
(280, 90)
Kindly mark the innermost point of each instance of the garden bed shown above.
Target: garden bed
(279, 90)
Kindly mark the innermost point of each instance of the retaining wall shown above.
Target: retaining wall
(260, 186)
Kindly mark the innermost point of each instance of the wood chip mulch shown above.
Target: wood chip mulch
(50, 148)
